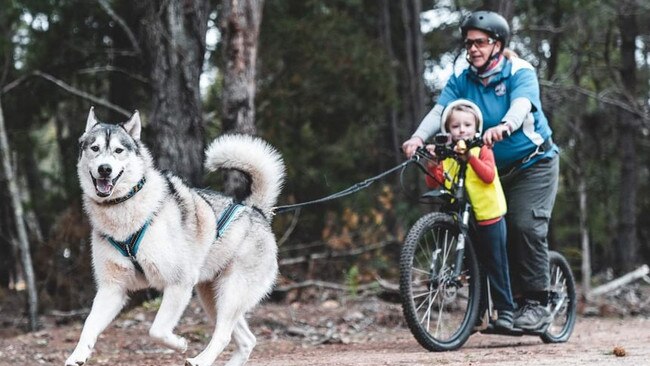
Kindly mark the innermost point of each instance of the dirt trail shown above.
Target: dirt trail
(368, 332)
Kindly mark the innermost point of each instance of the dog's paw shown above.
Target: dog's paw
(181, 344)
(74, 361)
(78, 357)
(178, 344)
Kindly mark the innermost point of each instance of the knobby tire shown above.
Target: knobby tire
(439, 311)
(562, 287)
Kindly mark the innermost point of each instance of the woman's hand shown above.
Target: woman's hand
(432, 150)
(409, 146)
(496, 134)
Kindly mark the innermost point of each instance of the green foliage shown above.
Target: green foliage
(324, 87)
(352, 280)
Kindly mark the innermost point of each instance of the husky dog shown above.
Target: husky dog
(149, 229)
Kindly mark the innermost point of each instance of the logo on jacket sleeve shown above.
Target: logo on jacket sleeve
(500, 89)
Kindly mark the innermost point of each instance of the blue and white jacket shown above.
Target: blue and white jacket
(517, 79)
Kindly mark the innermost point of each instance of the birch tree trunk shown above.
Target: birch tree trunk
(25, 256)
(584, 234)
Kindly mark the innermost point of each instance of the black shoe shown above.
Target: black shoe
(505, 320)
(532, 316)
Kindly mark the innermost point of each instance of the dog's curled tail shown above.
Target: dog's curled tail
(255, 157)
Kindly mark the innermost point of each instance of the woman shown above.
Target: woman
(507, 91)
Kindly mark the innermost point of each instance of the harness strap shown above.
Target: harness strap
(352, 189)
(129, 247)
(227, 216)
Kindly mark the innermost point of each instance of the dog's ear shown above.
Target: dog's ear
(133, 126)
(91, 121)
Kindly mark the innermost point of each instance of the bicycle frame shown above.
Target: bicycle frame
(456, 197)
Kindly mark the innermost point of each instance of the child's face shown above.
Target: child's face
(462, 125)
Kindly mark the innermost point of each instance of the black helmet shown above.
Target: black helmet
(489, 22)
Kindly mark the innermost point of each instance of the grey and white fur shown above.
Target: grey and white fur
(179, 251)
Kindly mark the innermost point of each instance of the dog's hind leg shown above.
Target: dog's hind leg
(174, 302)
(231, 306)
(245, 341)
(107, 304)
(207, 295)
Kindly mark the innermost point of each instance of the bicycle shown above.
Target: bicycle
(441, 280)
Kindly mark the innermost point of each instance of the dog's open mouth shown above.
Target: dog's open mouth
(104, 186)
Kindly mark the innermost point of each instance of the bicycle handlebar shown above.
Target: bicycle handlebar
(444, 148)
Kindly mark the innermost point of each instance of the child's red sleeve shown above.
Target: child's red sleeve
(438, 176)
(483, 165)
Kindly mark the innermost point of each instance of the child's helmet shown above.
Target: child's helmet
(489, 22)
(466, 103)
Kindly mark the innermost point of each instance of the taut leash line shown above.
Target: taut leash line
(352, 189)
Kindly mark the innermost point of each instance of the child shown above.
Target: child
(463, 120)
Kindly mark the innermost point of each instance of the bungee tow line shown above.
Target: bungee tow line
(352, 189)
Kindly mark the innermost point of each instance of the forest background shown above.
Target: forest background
(336, 86)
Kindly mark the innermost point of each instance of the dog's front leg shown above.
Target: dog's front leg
(107, 304)
(174, 302)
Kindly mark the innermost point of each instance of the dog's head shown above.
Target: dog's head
(109, 157)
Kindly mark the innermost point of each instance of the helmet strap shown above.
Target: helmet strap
(489, 63)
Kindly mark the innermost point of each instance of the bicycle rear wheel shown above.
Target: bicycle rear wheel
(440, 308)
(562, 300)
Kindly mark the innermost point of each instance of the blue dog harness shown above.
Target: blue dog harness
(227, 216)
(129, 247)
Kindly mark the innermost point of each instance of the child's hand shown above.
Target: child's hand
(461, 149)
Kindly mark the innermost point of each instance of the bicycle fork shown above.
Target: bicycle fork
(460, 245)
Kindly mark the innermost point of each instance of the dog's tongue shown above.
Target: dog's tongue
(104, 186)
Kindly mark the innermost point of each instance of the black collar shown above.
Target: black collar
(131, 193)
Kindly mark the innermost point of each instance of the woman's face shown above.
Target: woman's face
(462, 125)
(480, 47)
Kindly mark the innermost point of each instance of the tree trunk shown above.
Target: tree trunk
(556, 39)
(174, 43)
(627, 246)
(504, 7)
(23, 242)
(240, 27)
(413, 59)
(387, 41)
(584, 233)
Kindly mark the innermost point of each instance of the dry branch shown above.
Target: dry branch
(329, 255)
(292, 226)
(70, 89)
(107, 8)
(638, 273)
(323, 284)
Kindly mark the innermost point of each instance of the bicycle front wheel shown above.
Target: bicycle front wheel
(440, 304)
(562, 300)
